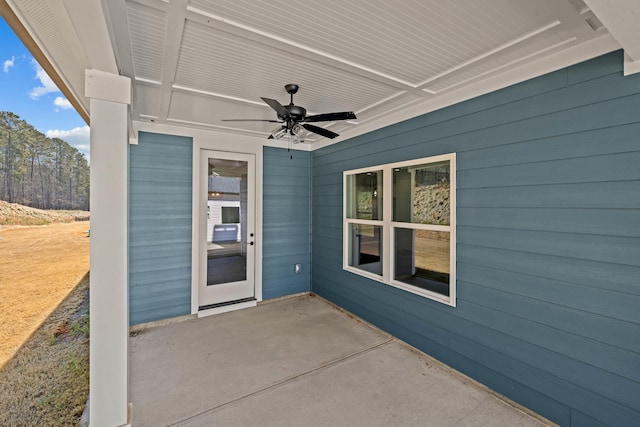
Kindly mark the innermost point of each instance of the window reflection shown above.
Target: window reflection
(422, 259)
(366, 247)
(421, 194)
(365, 195)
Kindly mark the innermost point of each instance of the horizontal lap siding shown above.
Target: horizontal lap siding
(548, 253)
(286, 222)
(160, 175)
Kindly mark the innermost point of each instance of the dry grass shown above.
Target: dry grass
(39, 266)
(13, 214)
(46, 383)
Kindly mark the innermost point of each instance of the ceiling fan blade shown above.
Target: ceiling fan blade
(282, 112)
(330, 117)
(320, 131)
(250, 120)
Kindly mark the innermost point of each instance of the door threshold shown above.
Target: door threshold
(223, 307)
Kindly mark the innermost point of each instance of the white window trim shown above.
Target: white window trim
(388, 227)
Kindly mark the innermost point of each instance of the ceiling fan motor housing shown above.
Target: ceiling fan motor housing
(296, 112)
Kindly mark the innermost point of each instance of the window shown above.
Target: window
(399, 225)
(365, 220)
(230, 215)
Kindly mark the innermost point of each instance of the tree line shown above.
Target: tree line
(41, 172)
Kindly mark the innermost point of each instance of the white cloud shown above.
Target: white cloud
(47, 85)
(76, 137)
(8, 64)
(62, 103)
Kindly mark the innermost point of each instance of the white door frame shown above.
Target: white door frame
(224, 143)
(233, 291)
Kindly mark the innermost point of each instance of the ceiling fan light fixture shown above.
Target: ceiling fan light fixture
(279, 132)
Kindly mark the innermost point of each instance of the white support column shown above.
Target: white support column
(109, 370)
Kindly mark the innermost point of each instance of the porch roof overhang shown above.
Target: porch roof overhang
(194, 63)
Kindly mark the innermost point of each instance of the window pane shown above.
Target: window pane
(365, 243)
(364, 195)
(226, 229)
(421, 194)
(230, 215)
(422, 259)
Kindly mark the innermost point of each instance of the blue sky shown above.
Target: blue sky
(26, 90)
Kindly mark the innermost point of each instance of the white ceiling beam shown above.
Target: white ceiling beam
(176, 17)
(107, 87)
(118, 22)
(115, 12)
(621, 18)
(91, 25)
(87, 19)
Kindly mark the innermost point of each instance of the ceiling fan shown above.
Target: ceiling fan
(294, 118)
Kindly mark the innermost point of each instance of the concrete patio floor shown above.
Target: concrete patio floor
(299, 362)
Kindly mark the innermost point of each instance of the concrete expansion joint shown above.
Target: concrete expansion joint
(290, 379)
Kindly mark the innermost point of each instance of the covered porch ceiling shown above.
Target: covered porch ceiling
(194, 63)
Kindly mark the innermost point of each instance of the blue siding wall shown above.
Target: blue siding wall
(286, 223)
(159, 227)
(548, 253)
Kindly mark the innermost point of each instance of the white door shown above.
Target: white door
(227, 229)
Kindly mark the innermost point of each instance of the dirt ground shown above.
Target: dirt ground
(39, 266)
(432, 250)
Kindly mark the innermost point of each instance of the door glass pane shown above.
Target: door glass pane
(422, 259)
(226, 221)
(364, 195)
(366, 247)
(421, 194)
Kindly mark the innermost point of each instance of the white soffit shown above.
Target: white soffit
(378, 58)
(217, 61)
(402, 41)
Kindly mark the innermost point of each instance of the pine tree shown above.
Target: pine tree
(38, 171)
